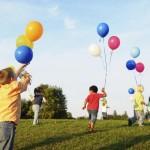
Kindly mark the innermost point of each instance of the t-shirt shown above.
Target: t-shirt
(38, 99)
(138, 99)
(10, 100)
(93, 100)
(104, 105)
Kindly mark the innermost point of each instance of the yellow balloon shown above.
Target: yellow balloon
(23, 40)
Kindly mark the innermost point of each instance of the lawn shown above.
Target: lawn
(72, 135)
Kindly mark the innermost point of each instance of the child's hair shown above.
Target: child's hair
(38, 90)
(93, 88)
(6, 75)
(149, 99)
(140, 88)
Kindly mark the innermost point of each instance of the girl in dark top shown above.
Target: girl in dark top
(37, 102)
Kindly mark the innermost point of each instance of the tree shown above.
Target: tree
(69, 115)
(25, 108)
(125, 115)
(56, 106)
(115, 113)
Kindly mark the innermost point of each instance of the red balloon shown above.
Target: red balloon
(140, 67)
(113, 42)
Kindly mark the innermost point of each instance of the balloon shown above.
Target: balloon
(131, 65)
(23, 40)
(34, 30)
(131, 91)
(102, 29)
(23, 54)
(135, 52)
(140, 67)
(95, 50)
(113, 42)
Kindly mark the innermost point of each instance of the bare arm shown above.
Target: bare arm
(44, 100)
(31, 97)
(24, 82)
(85, 103)
(20, 69)
(104, 92)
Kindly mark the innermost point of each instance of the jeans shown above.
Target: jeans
(7, 134)
(93, 115)
(138, 116)
(36, 109)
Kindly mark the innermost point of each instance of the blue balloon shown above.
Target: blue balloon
(23, 54)
(131, 91)
(131, 65)
(135, 52)
(102, 29)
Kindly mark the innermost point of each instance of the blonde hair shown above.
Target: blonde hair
(140, 88)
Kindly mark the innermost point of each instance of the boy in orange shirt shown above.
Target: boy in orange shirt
(10, 104)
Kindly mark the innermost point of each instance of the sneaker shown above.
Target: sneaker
(129, 122)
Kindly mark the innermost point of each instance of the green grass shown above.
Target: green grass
(72, 135)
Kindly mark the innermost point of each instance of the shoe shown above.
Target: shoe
(129, 122)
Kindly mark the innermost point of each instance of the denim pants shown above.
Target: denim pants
(138, 117)
(93, 115)
(7, 134)
(36, 109)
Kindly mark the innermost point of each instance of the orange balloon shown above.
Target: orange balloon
(34, 30)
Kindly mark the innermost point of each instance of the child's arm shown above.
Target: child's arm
(85, 103)
(31, 97)
(20, 69)
(24, 82)
(104, 92)
(44, 100)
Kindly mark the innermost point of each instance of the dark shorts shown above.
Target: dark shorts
(104, 114)
(93, 115)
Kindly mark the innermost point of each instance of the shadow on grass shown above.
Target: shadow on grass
(123, 145)
(58, 139)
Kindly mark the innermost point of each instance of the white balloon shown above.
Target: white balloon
(95, 50)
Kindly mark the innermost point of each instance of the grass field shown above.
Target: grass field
(72, 135)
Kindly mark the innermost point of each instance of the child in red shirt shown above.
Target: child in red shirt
(92, 104)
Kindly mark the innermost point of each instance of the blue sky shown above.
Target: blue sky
(61, 56)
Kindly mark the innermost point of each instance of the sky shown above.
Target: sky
(61, 56)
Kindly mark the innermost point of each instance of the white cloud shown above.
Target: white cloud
(54, 11)
(70, 23)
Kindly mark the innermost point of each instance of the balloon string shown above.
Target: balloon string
(105, 56)
(135, 78)
(140, 75)
(110, 59)
(103, 61)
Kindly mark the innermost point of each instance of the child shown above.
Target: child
(10, 104)
(104, 108)
(92, 104)
(37, 100)
(138, 107)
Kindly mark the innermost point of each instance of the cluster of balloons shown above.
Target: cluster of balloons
(24, 43)
(113, 41)
(131, 64)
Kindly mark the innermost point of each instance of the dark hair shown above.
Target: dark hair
(149, 99)
(93, 88)
(38, 91)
